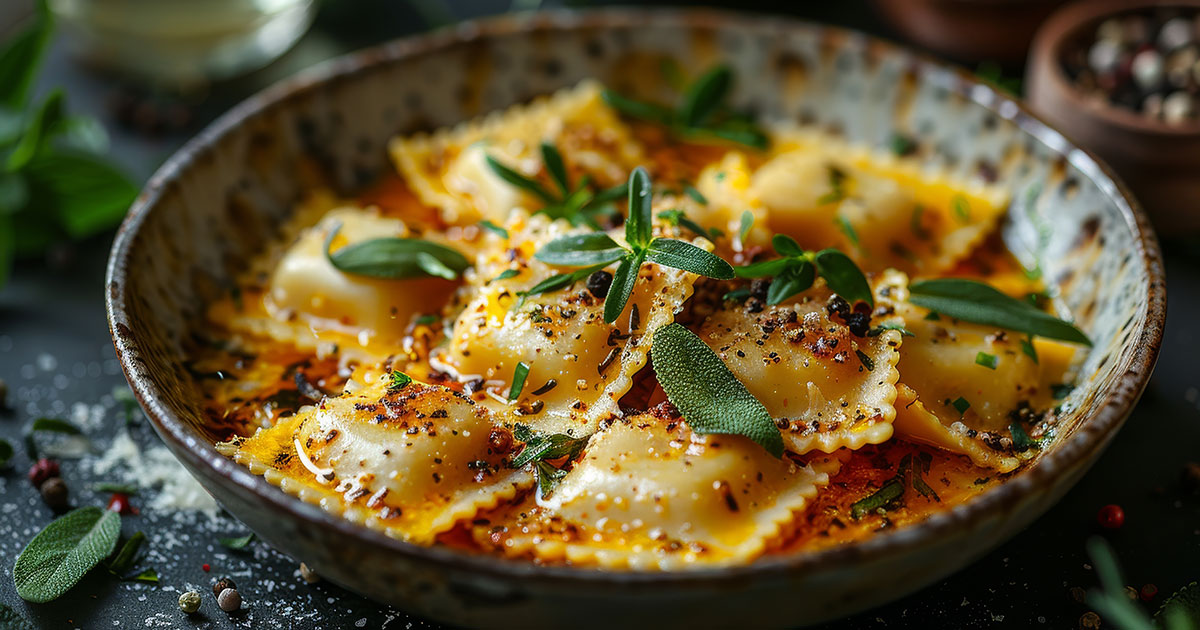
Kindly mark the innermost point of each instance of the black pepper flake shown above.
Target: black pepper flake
(598, 283)
(608, 360)
(550, 384)
(635, 318)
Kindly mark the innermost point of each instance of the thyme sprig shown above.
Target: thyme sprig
(577, 203)
(597, 250)
(796, 270)
(702, 115)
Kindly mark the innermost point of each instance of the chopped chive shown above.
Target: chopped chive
(519, 375)
(878, 499)
(1028, 349)
(1021, 440)
(1061, 390)
(961, 405)
(400, 380)
(988, 361)
(962, 208)
(426, 319)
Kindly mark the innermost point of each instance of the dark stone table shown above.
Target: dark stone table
(57, 360)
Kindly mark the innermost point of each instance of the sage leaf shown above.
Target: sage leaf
(123, 561)
(238, 543)
(843, 276)
(395, 258)
(638, 225)
(540, 447)
(680, 255)
(578, 250)
(705, 95)
(978, 303)
(554, 164)
(58, 557)
(622, 286)
(708, 395)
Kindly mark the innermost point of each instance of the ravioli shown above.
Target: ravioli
(448, 169)
(579, 365)
(651, 494)
(826, 387)
(409, 462)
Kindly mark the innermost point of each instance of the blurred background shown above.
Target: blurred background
(96, 94)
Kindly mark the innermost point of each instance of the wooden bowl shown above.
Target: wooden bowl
(216, 203)
(969, 30)
(1160, 162)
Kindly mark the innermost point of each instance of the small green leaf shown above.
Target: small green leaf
(554, 165)
(527, 184)
(989, 361)
(87, 193)
(638, 109)
(123, 561)
(108, 486)
(705, 95)
(737, 295)
(562, 280)
(494, 229)
(520, 373)
(149, 576)
(962, 208)
(1028, 348)
(695, 194)
(400, 380)
(764, 268)
(843, 276)
(747, 222)
(708, 395)
(6, 452)
(843, 224)
(54, 425)
(680, 255)
(238, 543)
(961, 405)
(58, 557)
(548, 478)
(1061, 391)
(878, 330)
(979, 303)
(622, 286)
(786, 246)
(1020, 439)
(793, 280)
(395, 258)
(540, 446)
(638, 223)
(37, 132)
(578, 250)
(881, 498)
(506, 274)
(20, 58)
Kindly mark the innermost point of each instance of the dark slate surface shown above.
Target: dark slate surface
(57, 359)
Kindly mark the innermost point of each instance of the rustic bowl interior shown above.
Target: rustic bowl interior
(214, 205)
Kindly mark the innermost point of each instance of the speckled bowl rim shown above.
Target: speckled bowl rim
(1136, 360)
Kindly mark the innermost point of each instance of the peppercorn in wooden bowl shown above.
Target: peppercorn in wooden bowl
(1122, 78)
(1058, 218)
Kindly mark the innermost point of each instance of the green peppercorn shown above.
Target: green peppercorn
(189, 602)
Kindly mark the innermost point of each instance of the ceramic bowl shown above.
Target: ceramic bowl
(969, 30)
(213, 205)
(1160, 162)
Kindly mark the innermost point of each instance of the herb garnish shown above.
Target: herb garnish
(540, 448)
(1061, 390)
(908, 474)
(677, 217)
(878, 330)
(1028, 348)
(702, 116)
(122, 562)
(746, 222)
(706, 393)
(238, 543)
(989, 361)
(979, 303)
(394, 258)
(1181, 611)
(961, 405)
(962, 208)
(837, 186)
(58, 557)
(577, 204)
(598, 250)
(494, 229)
(1020, 439)
(400, 380)
(520, 373)
(46, 425)
(797, 270)
(695, 194)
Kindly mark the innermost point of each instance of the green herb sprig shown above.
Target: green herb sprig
(979, 303)
(796, 270)
(55, 184)
(597, 250)
(702, 115)
(706, 393)
(909, 474)
(575, 203)
(1179, 612)
(395, 258)
(540, 449)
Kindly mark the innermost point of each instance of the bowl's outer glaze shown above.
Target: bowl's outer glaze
(217, 201)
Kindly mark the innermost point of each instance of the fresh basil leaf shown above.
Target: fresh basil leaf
(786, 246)
(554, 165)
(58, 557)
(6, 452)
(747, 222)
(527, 184)
(978, 303)
(793, 280)
(577, 250)
(520, 373)
(238, 543)
(395, 258)
(37, 132)
(764, 268)
(706, 393)
(494, 229)
(843, 276)
(123, 561)
(638, 109)
(622, 286)
(705, 95)
(638, 224)
(669, 252)
(14, 193)
(87, 193)
(21, 56)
